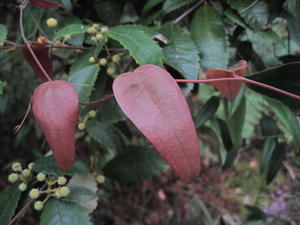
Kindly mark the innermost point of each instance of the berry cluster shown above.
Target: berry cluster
(82, 123)
(97, 33)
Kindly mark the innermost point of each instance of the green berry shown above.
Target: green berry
(92, 113)
(26, 173)
(64, 191)
(40, 177)
(92, 60)
(99, 36)
(103, 61)
(67, 37)
(38, 205)
(81, 126)
(51, 22)
(100, 179)
(22, 187)
(92, 30)
(110, 71)
(16, 166)
(30, 166)
(95, 26)
(104, 30)
(116, 58)
(93, 39)
(34, 193)
(62, 180)
(13, 177)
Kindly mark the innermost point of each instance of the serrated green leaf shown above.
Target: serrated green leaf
(181, 53)
(141, 47)
(268, 150)
(48, 165)
(70, 30)
(171, 5)
(80, 195)
(104, 134)
(288, 119)
(2, 85)
(3, 34)
(135, 164)
(111, 112)
(57, 212)
(207, 111)
(9, 199)
(255, 13)
(84, 80)
(209, 35)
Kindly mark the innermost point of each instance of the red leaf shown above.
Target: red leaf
(152, 100)
(44, 4)
(55, 107)
(229, 89)
(43, 54)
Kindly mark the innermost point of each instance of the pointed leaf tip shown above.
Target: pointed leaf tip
(152, 100)
(55, 107)
(228, 89)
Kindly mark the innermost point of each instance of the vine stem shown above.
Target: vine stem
(22, 7)
(98, 100)
(20, 212)
(19, 126)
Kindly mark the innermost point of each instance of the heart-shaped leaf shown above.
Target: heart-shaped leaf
(228, 89)
(55, 107)
(152, 100)
(44, 4)
(42, 53)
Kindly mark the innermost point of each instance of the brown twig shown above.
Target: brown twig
(98, 100)
(19, 126)
(20, 212)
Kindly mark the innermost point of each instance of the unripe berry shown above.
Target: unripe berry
(91, 30)
(51, 22)
(30, 166)
(62, 180)
(64, 191)
(110, 71)
(67, 37)
(40, 177)
(26, 173)
(95, 26)
(38, 205)
(13, 177)
(100, 179)
(16, 166)
(104, 30)
(92, 60)
(93, 39)
(22, 187)
(92, 113)
(116, 58)
(34, 193)
(81, 126)
(103, 61)
(99, 36)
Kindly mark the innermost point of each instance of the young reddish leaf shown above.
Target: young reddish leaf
(44, 4)
(43, 54)
(55, 107)
(229, 89)
(152, 100)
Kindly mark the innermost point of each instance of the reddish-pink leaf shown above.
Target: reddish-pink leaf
(44, 4)
(228, 89)
(55, 107)
(152, 100)
(43, 54)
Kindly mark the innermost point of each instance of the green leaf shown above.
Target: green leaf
(135, 164)
(255, 13)
(9, 199)
(268, 151)
(111, 112)
(84, 80)
(294, 20)
(209, 35)
(141, 47)
(48, 165)
(288, 119)
(171, 5)
(67, 4)
(150, 4)
(235, 17)
(284, 77)
(80, 195)
(181, 53)
(104, 134)
(3, 34)
(57, 212)
(32, 19)
(268, 126)
(70, 30)
(2, 85)
(276, 159)
(207, 111)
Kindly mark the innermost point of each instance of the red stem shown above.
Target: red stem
(18, 127)
(98, 100)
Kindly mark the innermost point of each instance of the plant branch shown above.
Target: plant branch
(26, 206)
(98, 100)
(187, 12)
(18, 127)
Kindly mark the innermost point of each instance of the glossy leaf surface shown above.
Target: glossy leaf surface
(43, 55)
(152, 100)
(55, 107)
